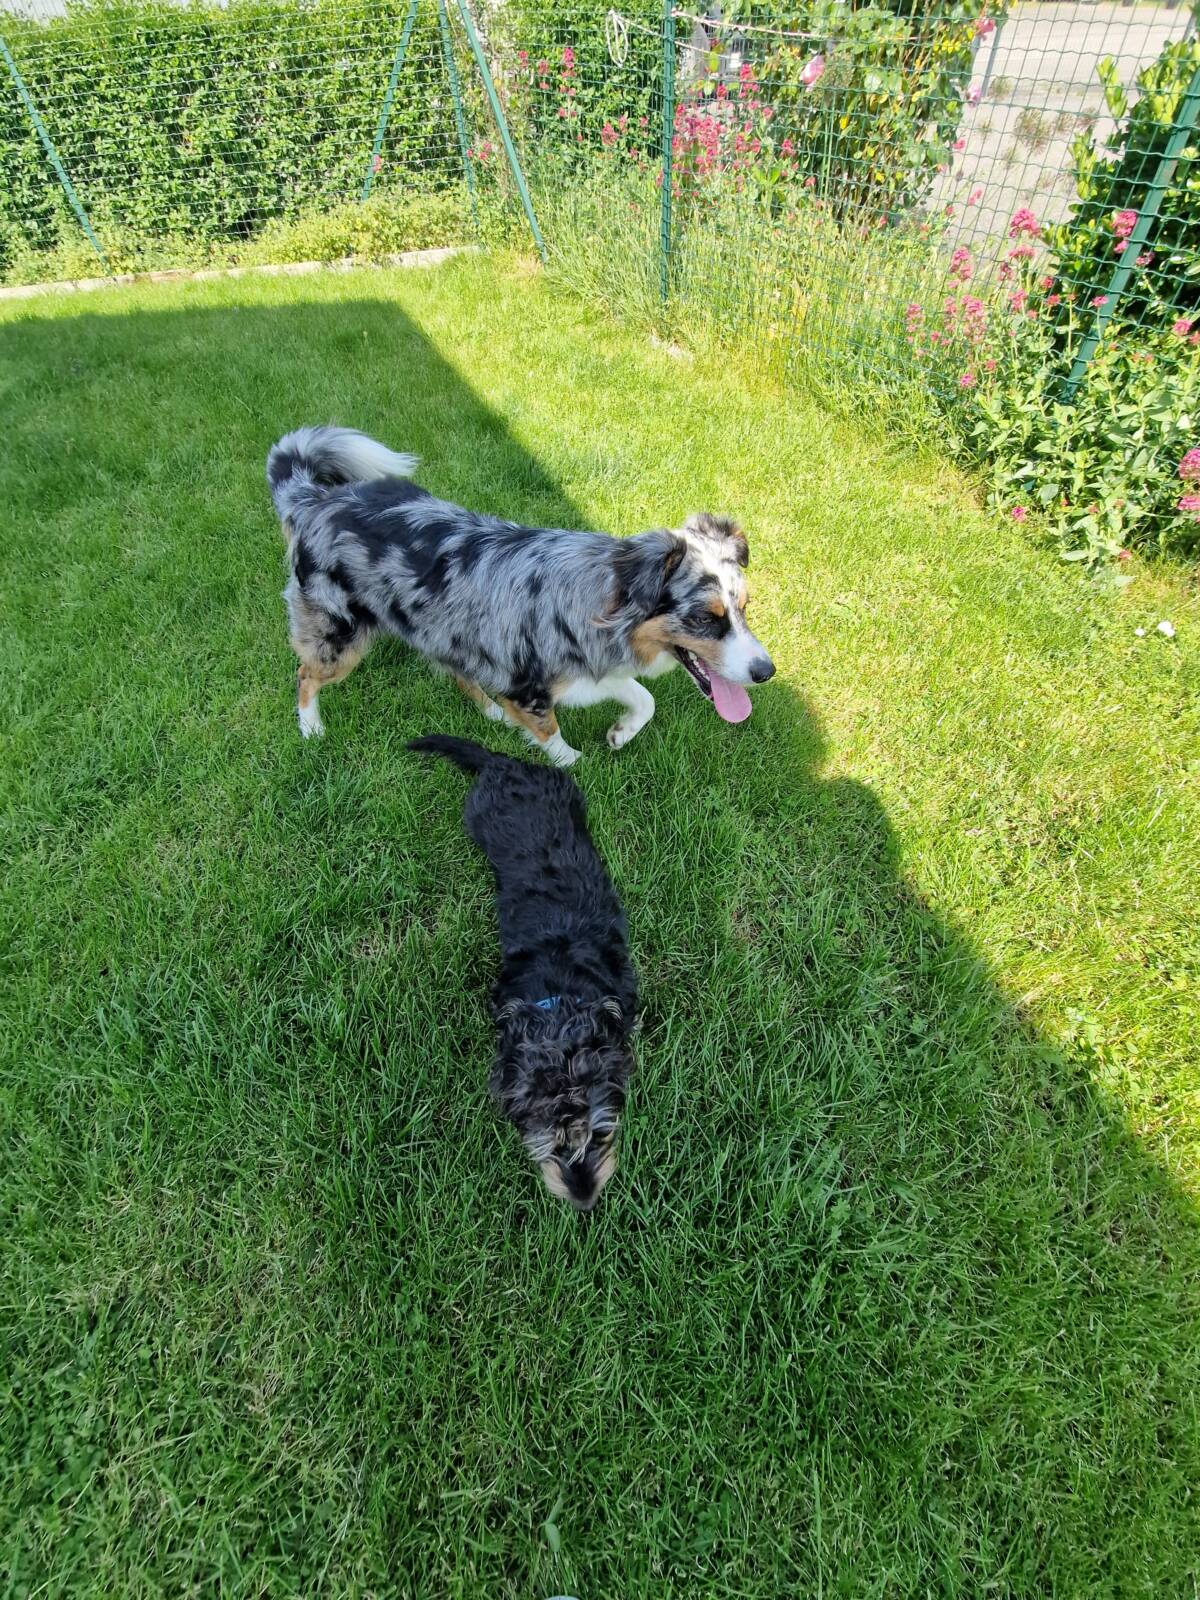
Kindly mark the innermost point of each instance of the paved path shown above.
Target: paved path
(1043, 90)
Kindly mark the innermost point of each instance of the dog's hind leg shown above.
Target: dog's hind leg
(329, 647)
(473, 692)
(541, 729)
(313, 677)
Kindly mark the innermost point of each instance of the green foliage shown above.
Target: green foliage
(1098, 469)
(563, 83)
(1085, 249)
(879, 120)
(1103, 472)
(383, 226)
(208, 122)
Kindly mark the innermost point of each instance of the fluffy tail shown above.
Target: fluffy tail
(321, 457)
(464, 753)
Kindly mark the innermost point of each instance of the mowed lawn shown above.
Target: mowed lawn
(895, 1292)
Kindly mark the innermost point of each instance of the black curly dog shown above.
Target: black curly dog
(565, 1002)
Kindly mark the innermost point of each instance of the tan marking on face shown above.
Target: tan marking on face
(552, 1178)
(717, 607)
(542, 725)
(607, 1167)
(650, 638)
(709, 650)
(743, 599)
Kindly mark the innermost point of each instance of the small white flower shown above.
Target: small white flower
(1167, 629)
(1140, 633)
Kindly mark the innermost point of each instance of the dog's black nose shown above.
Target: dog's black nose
(762, 669)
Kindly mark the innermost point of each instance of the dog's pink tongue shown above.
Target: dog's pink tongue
(731, 700)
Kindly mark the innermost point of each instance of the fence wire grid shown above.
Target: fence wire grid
(909, 191)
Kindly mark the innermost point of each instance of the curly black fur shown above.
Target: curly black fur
(561, 1070)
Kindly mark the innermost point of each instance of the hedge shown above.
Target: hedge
(209, 122)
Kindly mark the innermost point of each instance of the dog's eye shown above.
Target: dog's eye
(707, 624)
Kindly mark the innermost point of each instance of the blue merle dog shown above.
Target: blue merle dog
(526, 619)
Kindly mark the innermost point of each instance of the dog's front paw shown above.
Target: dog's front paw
(560, 752)
(621, 732)
(311, 726)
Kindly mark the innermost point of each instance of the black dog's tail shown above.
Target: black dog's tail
(464, 753)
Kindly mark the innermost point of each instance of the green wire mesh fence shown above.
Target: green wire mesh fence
(154, 134)
(941, 193)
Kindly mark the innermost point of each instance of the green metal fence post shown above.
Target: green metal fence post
(1181, 130)
(386, 109)
(459, 119)
(668, 133)
(993, 46)
(502, 126)
(48, 145)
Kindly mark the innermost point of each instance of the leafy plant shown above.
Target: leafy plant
(877, 123)
(1110, 470)
(1114, 182)
(209, 122)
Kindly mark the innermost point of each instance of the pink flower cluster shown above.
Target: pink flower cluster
(961, 265)
(1123, 224)
(1024, 222)
(698, 137)
(1189, 467)
(709, 138)
(1189, 502)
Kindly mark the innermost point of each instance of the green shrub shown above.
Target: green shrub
(383, 226)
(209, 122)
(1110, 471)
(873, 112)
(1113, 188)
(562, 84)
(1100, 468)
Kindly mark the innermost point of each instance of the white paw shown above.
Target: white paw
(492, 711)
(621, 732)
(560, 752)
(311, 726)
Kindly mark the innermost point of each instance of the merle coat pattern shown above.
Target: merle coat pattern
(523, 617)
(562, 1065)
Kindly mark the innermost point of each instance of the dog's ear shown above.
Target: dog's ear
(707, 525)
(643, 566)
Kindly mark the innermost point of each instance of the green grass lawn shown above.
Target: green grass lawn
(896, 1290)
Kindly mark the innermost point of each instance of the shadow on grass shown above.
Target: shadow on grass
(885, 1298)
